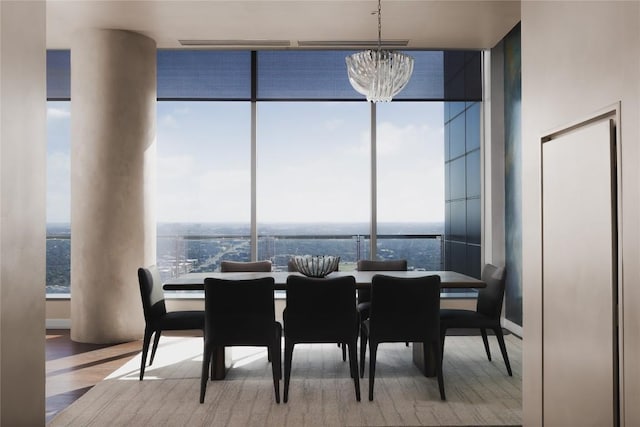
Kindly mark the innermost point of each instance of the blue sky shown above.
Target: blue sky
(313, 162)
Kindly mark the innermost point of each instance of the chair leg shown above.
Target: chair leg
(279, 355)
(363, 349)
(353, 364)
(276, 367)
(483, 331)
(207, 355)
(214, 361)
(288, 356)
(443, 333)
(503, 349)
(373, 349)
(156, 340)
(145, 350)
(344, 352)
(438, 361)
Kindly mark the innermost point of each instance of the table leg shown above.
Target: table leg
(424, 359)
(220, 363)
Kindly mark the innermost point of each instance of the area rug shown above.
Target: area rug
(479, 391)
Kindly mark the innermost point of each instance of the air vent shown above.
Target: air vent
(352, 43)
(245, 43)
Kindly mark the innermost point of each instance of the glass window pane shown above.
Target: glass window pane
(473, 177)
(204, 188)
(472, 117)
(58, 196)
(313, 180)
(410, 171)
(457, 137)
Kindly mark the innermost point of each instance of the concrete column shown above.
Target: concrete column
(113, 110)
(22, 212)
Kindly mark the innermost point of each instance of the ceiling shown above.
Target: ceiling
(448, 24)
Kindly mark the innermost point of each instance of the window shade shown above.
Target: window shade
(58, 75)
(204, 74)
(287, 75)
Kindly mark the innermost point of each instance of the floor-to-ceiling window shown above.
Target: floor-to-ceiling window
(463, 162)
(332, 173)
(58, 197)
(313, 180)
(410, 183)
(203, 185)
(58, 215)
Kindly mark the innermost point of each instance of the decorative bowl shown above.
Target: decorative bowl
(316, 265)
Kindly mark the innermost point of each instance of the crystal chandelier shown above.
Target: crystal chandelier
(379, 74)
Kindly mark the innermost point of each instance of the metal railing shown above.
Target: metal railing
(200, 253)
(181, 254)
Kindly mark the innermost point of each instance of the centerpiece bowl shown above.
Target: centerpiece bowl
(316, 265)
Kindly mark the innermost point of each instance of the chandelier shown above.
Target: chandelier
(379, 74)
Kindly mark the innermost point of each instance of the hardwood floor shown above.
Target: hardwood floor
(74, 368)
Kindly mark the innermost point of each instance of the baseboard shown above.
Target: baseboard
(514, 328)
(58, 323)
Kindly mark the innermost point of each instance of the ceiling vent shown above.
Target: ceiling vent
(239, 43)
(352, 43)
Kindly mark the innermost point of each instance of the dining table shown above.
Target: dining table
(424, 360)
(195, 281)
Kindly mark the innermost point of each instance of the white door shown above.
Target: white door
(580, 276)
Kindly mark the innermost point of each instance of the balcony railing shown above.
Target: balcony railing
(181, 254)
(199, 253)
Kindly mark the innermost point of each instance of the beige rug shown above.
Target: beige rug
(479, 392)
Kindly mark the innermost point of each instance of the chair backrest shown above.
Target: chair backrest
(321, 309)
(490, 298)
(364, 295)
(245, 267)
(239, 312)
(386, 265)
(405, 309)
(151, 292)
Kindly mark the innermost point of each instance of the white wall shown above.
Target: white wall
(22, 212)
(578, 58)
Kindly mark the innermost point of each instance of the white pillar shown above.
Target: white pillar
(113, 110)
(22, 217)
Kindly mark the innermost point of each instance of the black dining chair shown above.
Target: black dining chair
(156, 317)
(321, 311)
(240, 313)
(487, 313)
(364, 295)
(245, 266)
(402, 309)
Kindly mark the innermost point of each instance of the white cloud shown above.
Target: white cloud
(58, 187)
(190, 192)
(169, 121)
(333, 124)
(58, 113)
